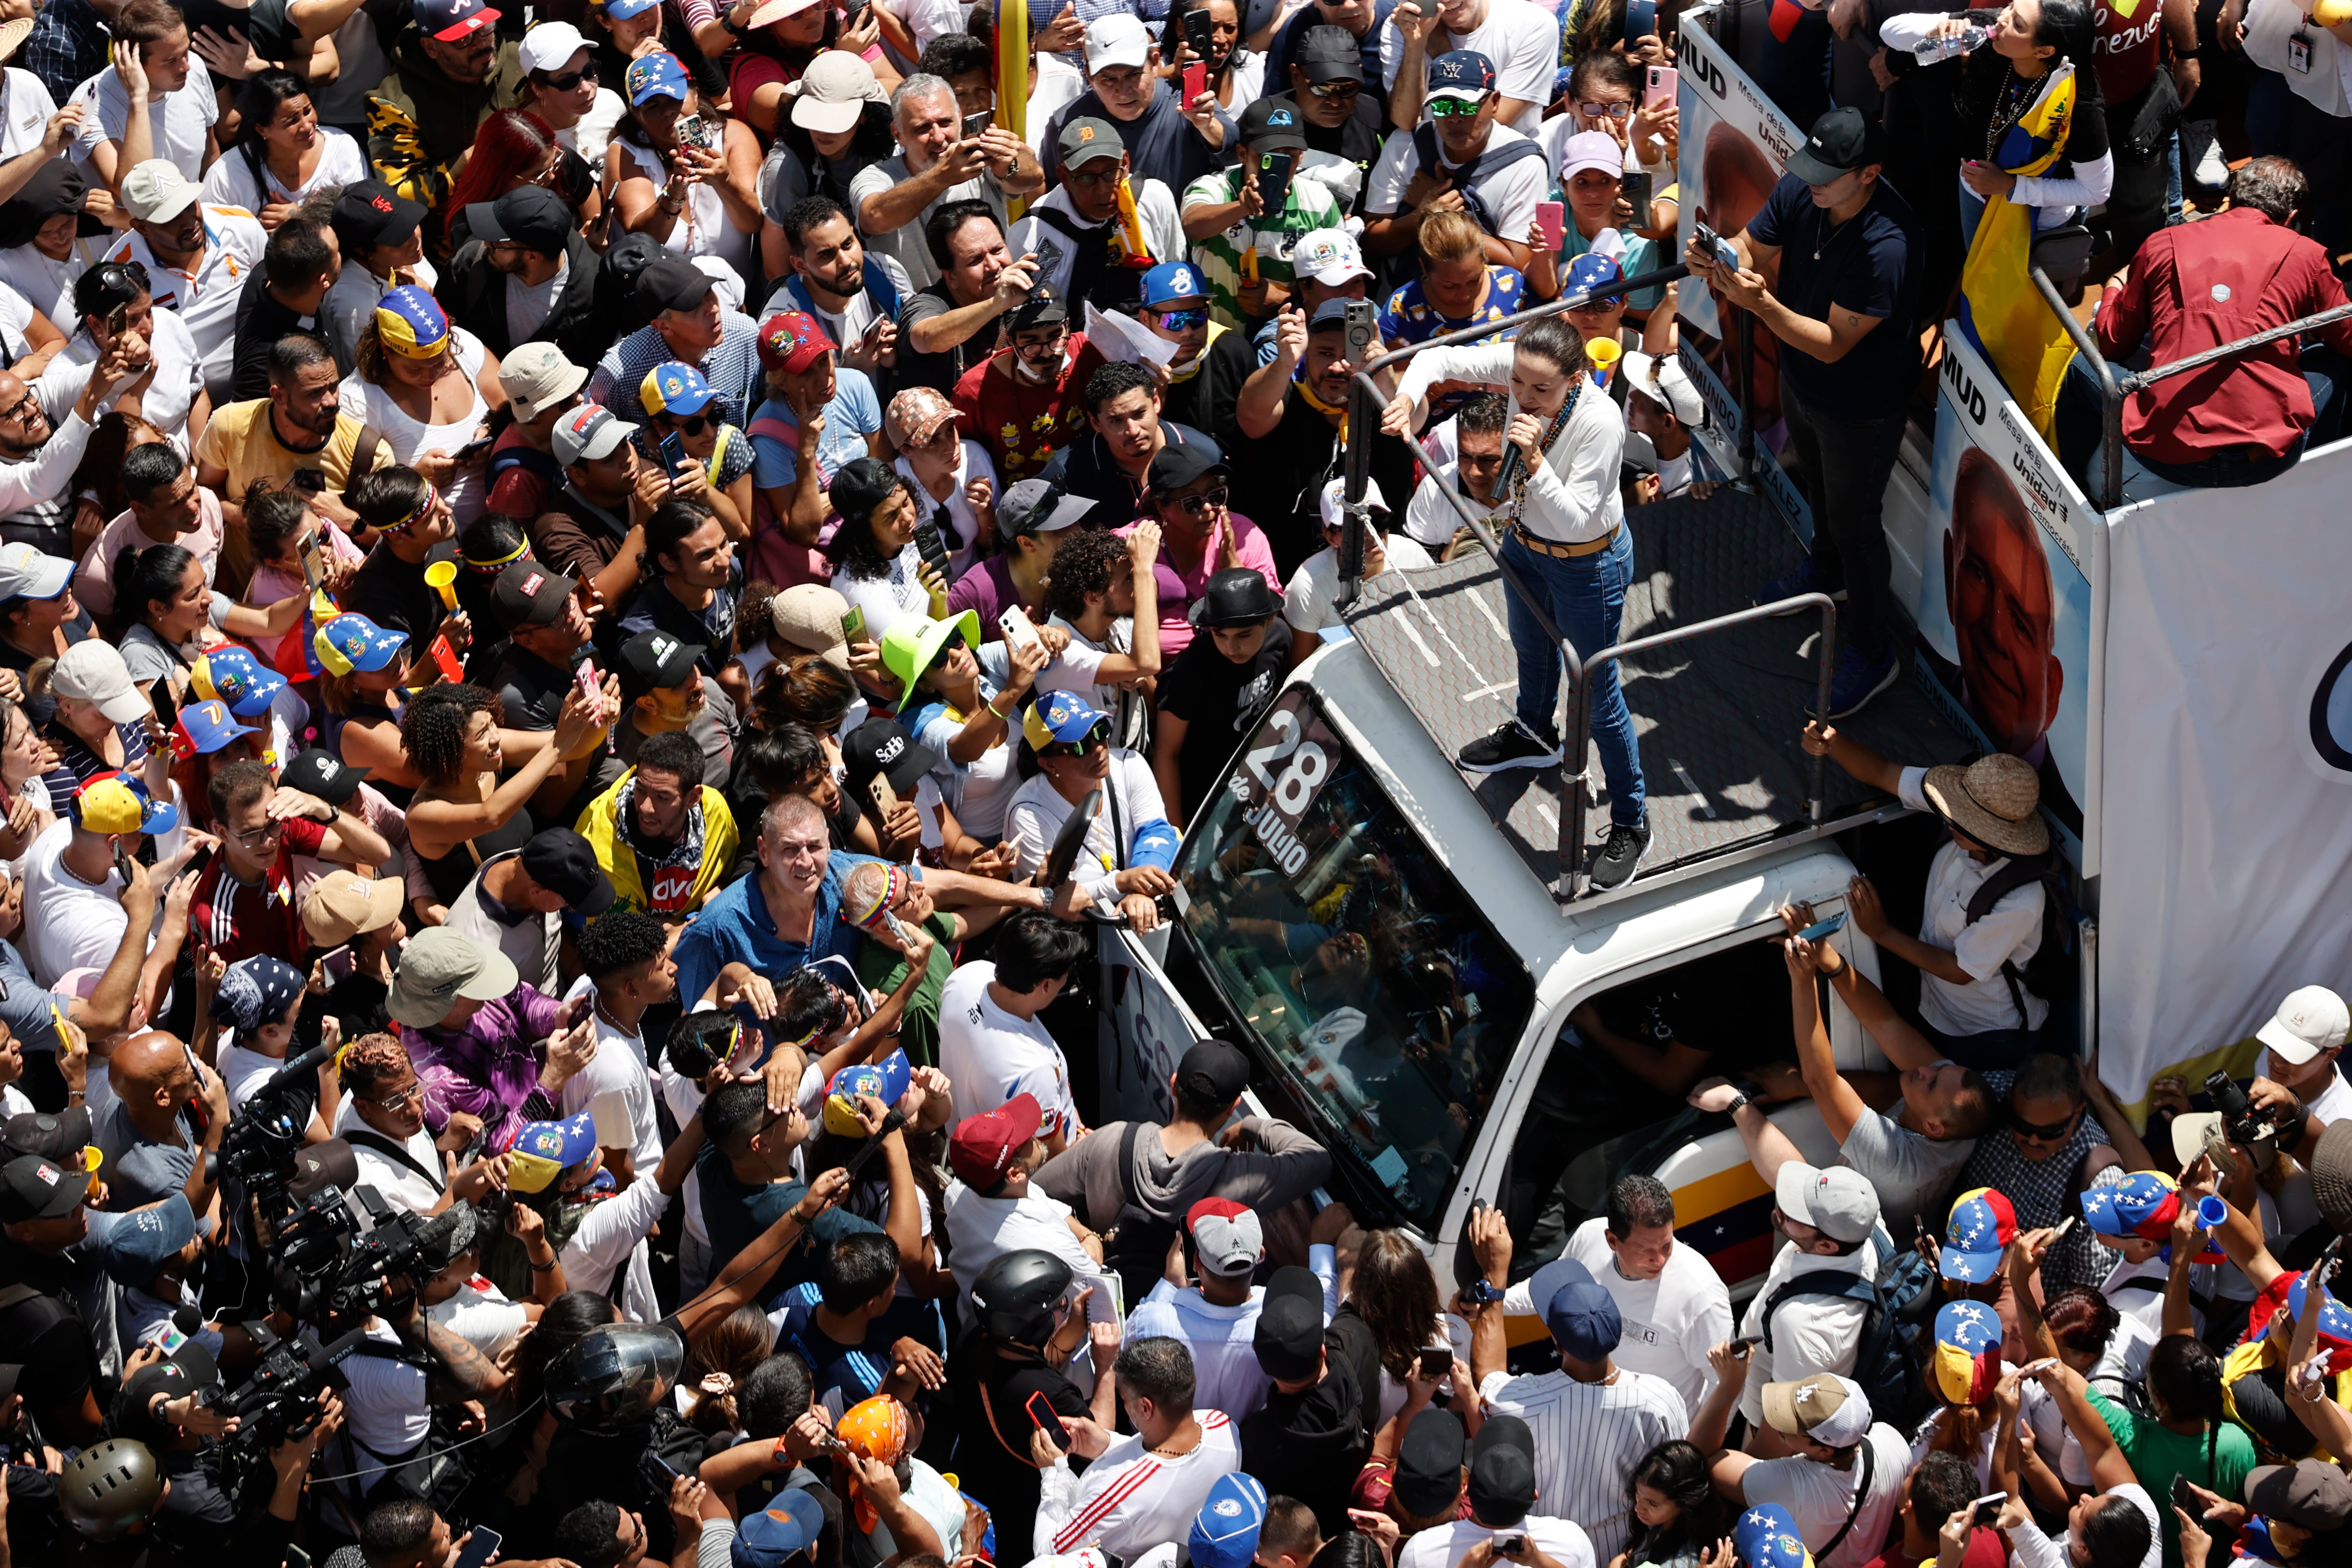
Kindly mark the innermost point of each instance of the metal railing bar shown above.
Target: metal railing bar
(2141, 380)
(1659, 279)
(2111, 394)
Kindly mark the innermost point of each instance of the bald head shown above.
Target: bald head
(788, 813)
(153, 1077)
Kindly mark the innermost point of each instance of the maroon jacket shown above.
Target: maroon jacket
(2197, 286)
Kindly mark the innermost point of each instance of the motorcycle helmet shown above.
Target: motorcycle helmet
(615, 1374)
(109, 1487)
(1019, 1296)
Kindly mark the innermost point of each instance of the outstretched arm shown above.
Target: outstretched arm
(2109, 1469)
(1841, 1106)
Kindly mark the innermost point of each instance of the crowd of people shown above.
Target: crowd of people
(547, 1010)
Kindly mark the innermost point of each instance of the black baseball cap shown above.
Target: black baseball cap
(1503, 1471)
(317, 771)
(1178, 465)
(530, 215)
(1428, 1479)
(1840, 141)
(58, 1136)
(656, 661)
(1289, 1333)
(529, 595)
(1327, 53)
(670, 284)
(371, 213)
(881, 748)
(1236, 596)
(1214, 1070)
(1272, 124)
(32, 1187)
(563, 862)
(1044, 307)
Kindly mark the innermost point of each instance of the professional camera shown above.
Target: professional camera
(278, 1402)
(2248, 1128)
(335, 1274)
(259, 1148)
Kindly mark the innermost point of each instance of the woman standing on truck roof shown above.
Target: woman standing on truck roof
(1567, 545)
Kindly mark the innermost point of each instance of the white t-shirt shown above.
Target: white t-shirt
(619, 1068)
(1038, 811)
(75, 924)
(480, 1314)
(1519, 38)
(980, 1230)
(229, 183)
(179, 376)
(971, 463)
(530, 304)
(1309, 603)
(595, 128)
(1820, 1498)
(1588, 1439)
(185, 119)
(612, 1234)
(384, 1412)
(849, 324)
(1129, 1500)
(1155, 210)
(2011, 930)
(402, 1188)
(245, 1071)
(990, 1056)
(1511, 192)
(50, 284)
(25, 112)
(2034, 1550)
(905, 244)
(404, 437)
(927, 20)
(1059, 85)
(1427, 519)
(684, 1100)
(1669, 1321)
(2298, 1210)
(1810, 1334)
(897, 596)
(207, 299)
(1443, 1545)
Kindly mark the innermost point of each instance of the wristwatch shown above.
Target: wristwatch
(727, 20)
(1734, 1107)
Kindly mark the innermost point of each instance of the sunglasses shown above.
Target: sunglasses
(1200, 504)
(1455, 108)
(689, 424)
(1331, 89)
(1097, 736)
(568, 80)
(1605, 110)
(1185, 320)
(2050, 1133)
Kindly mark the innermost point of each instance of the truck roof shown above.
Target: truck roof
(1718, 716)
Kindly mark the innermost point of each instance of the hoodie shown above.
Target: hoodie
(1310, 1444)
(1278, 1165)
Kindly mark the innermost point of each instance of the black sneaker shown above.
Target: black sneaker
(1510, 746)
(1615, 861)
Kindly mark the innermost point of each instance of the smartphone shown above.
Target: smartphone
(1713, 243)
(2034, 1367)
(159, 697)
(1552, 219)
(973, 124)
(473, 448)
(121, 863)
(1197, 28)
(584, 678)
(853, 16)
(1821, 929)
(1274, 179)
(1664, 84)
(1510, 1545)
(1049, 1420)
(1436, 1361)
(117, 320)
(852, 626)
(2064, 1226)
(1640, 21)
(297, 1557)
(1634, 185)
(1747, 1339)
(337, 965)
(1986, 1508)
(2186, 1501)
(885, 798)
(1196, 76)
(1015, 624)
(930, 544)
(673, 451)
(483, 1545)
(314, 562)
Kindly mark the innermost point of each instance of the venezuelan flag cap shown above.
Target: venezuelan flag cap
(1765, 1537)
(233, 676)
(411, 323)
(540, 1150)
(674, 387)
(2141, 1204)
(354, 642)
(1983, 1223)
(1967, 1351)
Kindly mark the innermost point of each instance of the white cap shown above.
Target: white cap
(833, 92)
(536, 377)
(1662, 379)
(92, 672)
(548, 46)
(1833, 1411)
(2311, 1020)
(1334, 514)
(725, 282)
(1117, 40)
(156, 191)
(1329, 256)
(1838, 1202)
(27, 574)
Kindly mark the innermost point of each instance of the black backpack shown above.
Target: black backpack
(2051, 969)
(1885, 1364)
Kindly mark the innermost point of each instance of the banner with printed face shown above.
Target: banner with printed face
(1735, 146)
(2004, 604)
(2227, 729)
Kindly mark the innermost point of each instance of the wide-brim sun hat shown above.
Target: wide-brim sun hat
(1994, 800)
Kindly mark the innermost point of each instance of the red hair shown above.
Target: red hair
(510, 148)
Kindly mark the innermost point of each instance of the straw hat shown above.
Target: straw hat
(13, 36)
(1993, 800)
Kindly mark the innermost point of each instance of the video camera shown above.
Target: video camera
(278, 1402)
(263, 1138)
(338, 1270)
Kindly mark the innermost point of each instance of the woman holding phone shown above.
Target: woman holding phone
(113, 301)
(467, 807)
(424, 391)
(879, 568)
(166, 611)
(679, 171)
(1237, 74)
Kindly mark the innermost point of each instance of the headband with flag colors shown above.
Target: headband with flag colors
(409, 518)
(1967, 1351)
(411, 323)
(1983, 1224)
(867, 914)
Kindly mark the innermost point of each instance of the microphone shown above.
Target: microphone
(441, 1226)
(301, 1068)
(188, 1321)
(1510, 465)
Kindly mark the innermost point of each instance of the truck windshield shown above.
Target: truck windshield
(1376, 988)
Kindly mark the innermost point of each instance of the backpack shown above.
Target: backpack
(1136, 1245)
(1887, 1367)
(2049, 971)
(1913, 1290)
(1465, 175)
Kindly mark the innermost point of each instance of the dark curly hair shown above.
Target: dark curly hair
(1089, 561)
(862, 487)
(619, 939)
(433, 730)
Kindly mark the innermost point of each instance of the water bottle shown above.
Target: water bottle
(1931, 50)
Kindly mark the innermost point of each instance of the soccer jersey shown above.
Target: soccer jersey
(242, 919)
(990, 1056)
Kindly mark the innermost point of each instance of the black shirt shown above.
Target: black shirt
(1278, 479)
(1220, 702)
(1357, 139)
(1085, 467)
(393, 593)
(1205, 399)
(532, 688)
(261, 321)
(940, 371)
(1868, 264)
(993, 1427)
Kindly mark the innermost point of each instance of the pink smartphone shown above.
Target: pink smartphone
(1196, 80)
(1552, 218)
(1664, 82)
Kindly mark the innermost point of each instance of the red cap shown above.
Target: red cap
(790, 342)
(982, 1149)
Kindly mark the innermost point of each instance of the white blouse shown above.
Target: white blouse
(405, 438)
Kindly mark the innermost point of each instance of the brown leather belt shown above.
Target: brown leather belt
(1559, 552)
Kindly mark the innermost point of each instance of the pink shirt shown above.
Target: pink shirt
(93, 582)
(1180, 586)
(269, 585)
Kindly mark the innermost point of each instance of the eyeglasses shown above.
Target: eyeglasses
(1200, 504)
(22, 409)
(568, 80)
(2050, 1133)
(1185, 320)
(1100, 176)
(1331, 89)
(395, 1101)
(1605, 110)
(1097, 736)
(1029, 348)
(1455, 108)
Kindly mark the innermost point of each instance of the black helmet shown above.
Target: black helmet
(614, 1375)
(1017, 1295)
(109, 1487)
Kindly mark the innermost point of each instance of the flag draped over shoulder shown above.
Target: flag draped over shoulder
(2003, 311)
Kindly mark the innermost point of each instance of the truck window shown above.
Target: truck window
(1375, 988)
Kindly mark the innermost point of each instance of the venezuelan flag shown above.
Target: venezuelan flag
(2003, 312)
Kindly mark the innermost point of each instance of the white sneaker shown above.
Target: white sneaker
(2201, 164)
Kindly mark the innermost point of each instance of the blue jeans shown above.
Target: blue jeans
(1586, 597)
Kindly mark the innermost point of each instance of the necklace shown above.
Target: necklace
(1551, 434)
(2009, 100)
(1828, 235)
